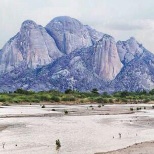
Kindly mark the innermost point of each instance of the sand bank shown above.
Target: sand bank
(141, 148)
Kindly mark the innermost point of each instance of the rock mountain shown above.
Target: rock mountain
(67, 54)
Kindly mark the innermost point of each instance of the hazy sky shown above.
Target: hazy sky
(119, 18)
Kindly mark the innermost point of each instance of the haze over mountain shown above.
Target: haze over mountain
(67, 54)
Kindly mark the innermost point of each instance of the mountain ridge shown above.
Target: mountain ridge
(69, 55)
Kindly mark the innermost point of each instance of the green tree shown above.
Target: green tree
(95, 91)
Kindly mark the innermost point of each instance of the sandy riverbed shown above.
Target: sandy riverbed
(140, 148)
(84, 130)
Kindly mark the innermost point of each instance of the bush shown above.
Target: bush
(124, 100)
(131, 109)
(43, 106)
(68, 91)
(17, 100)
(81, 101)
(65, 111)
(58, 144)
(4, 98)
(95, 91)
(111, 100)
(99, 100)
(71, 98)
(45, 97)
(55, 99)
(105, 100)
(146, 100)
(21, 91)
(99, 106)
(5, 104)
(138, 108)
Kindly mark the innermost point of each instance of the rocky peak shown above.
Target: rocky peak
(129, 49)
(28, 24)
(69, 34)
(30, 48)
(95, 35)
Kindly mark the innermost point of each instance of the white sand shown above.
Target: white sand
(78, 134)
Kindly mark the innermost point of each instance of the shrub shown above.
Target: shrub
(45, 97)
(5, 104)
(55, 99)
(124, 100)
(58, 144)
(65, 111)
(138, 108)
(71, 98)
(4, 99)
(99, 106)
(105, 100)
(68, 91)
(21, 91)
(111, 100)
(95, 91)
(99, 100)
(34, 100)
(43, 106)
(146, 100)
(81, 101)
(131, 109)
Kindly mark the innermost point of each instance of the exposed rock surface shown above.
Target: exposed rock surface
(128, 50)
(95, 35)
(67, 54)
(106, 61)
(30, 48)
(69, 34)
(137, 75)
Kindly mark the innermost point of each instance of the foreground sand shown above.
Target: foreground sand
(86, 129)
(3, 127)
(141, 148)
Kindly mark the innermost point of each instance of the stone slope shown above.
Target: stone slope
(67, 54)
(69, 34)
(30, 48)
(137, 75)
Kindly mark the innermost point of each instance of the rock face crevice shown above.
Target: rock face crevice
(68, 54)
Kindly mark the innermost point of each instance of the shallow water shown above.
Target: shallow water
(78, 134)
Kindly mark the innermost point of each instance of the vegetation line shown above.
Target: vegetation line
(76, 97)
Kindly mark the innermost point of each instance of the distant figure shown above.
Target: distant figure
(3, 145)
(119, 135)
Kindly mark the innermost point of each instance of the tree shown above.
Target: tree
(151, 92)
(95, 91)
(68, 91)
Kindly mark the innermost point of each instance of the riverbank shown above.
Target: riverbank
(140, 148)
